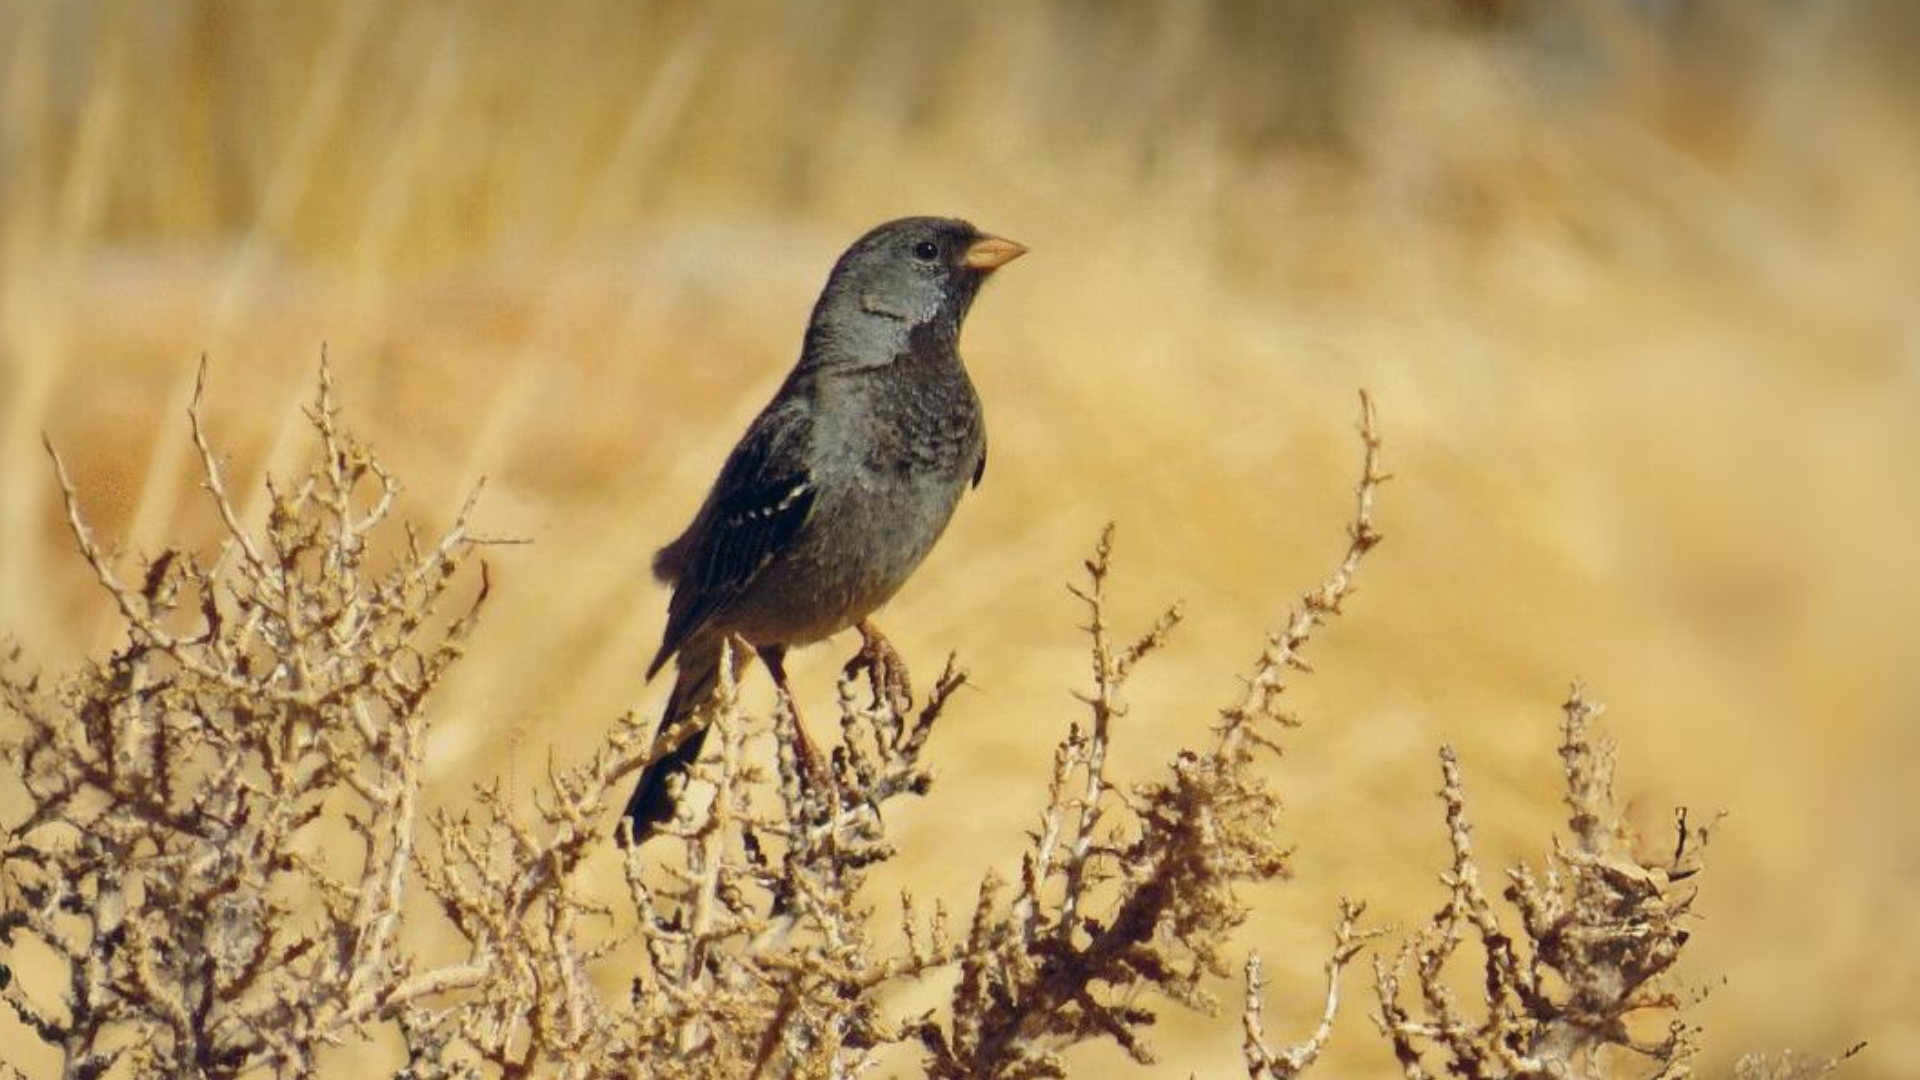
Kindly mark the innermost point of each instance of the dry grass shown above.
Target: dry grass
(1633, 292)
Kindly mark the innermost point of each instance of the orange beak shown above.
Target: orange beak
(990, 253)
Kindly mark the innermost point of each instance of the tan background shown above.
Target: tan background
(1634, 286)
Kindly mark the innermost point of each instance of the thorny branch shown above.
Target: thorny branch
(1123, 894)
(1258, 709)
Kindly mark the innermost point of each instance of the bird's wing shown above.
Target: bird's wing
(762, 498)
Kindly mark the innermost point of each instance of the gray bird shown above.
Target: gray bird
(841, 485)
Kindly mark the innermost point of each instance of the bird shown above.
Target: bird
(839, 487)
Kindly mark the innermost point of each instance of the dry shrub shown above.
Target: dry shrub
(171, 857)
(167, 858)
(1598, 934)
(1569, 985)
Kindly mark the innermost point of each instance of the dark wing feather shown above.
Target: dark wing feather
(758, 505)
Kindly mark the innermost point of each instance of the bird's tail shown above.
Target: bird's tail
(697, 670)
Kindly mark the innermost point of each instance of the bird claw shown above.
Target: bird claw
(814, 769)
(886, 671)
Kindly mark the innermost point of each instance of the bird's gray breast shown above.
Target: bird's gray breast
(900, 452)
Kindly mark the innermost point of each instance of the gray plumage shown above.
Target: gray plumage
(843, 483)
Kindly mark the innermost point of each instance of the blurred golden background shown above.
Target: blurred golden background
(1632, 282)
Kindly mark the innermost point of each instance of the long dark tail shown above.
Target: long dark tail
(697, 671)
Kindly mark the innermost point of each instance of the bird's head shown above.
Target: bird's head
(916, 273)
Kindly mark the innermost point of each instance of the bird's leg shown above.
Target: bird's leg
(886, 671)
(812, 764)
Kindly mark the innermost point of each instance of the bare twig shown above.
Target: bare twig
(1290, 1062)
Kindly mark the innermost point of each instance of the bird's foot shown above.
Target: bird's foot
(885, 670)
(814, 768)
(819, 778)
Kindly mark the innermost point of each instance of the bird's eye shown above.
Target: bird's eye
(926, 251)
